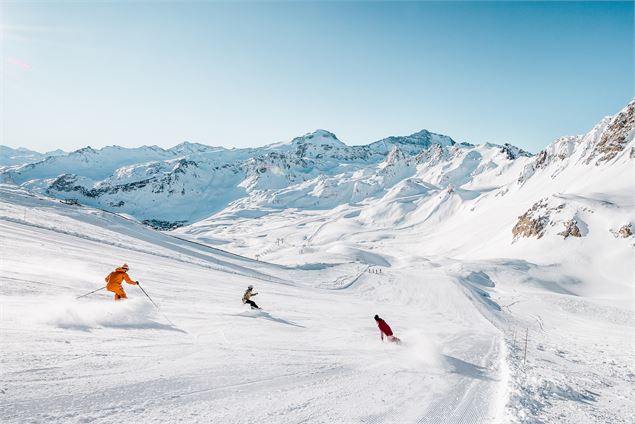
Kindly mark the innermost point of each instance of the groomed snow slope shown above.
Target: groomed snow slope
(572, 298)
(544, 245)
(313, 356)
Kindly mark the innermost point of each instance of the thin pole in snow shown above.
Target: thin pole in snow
(526, 338)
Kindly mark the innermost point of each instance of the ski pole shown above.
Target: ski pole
(94, 291)
(155, 305)
(144, 292)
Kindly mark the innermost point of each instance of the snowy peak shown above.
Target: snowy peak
(619, 132)
(413, 143)
(395, 155)
(84, 151)
(423, 138)
(187, 148)
(317, 144)
(513, 152)
(318, 137)
(426, 137)
(21, 156)
(609, 141)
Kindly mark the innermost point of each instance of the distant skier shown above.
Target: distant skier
(247, 298)
(114, 280)
(384, 329)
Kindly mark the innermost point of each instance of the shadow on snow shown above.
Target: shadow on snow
(467, 369)
(266, 315)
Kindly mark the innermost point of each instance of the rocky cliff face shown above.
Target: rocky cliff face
(547, 215)
(572, 216)
(617, 134)
(534, 222)
(570, 229)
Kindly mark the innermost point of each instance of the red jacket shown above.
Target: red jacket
(384, 328)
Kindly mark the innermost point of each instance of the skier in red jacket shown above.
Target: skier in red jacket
(384, 329)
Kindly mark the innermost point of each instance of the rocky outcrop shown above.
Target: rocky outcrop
(395, 155)
(432, 156)
(513, 152)
(532, 223)
(550, 212)
(541, 160)
(570, 229)
(163, 225)
(69, 183)
(625, 231)
(616, 136)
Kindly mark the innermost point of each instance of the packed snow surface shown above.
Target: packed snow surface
(312, 353)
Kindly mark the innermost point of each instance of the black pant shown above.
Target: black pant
(251, 303)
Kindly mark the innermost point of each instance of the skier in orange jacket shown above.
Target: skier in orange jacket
(114, 280)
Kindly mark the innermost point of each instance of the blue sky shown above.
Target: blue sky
(79, 73)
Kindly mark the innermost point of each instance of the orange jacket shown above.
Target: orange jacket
(116, 277)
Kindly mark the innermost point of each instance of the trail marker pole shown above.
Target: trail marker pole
(526, 339)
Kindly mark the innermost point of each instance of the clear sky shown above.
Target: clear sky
(77, 73)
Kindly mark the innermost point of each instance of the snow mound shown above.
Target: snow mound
(359, 255)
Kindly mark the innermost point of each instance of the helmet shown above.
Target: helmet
(125, 266)
(250, 287)
(377, 318)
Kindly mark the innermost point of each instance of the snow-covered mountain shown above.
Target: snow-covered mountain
(20, 156)
(578, 187)
(508, 277)
(394, 181)
(191, 181)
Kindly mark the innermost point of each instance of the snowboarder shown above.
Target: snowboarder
(247, 298)
(384, 329)
(114, 280)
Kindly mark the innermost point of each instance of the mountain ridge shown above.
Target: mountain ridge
(190, 182)
(97, 176)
